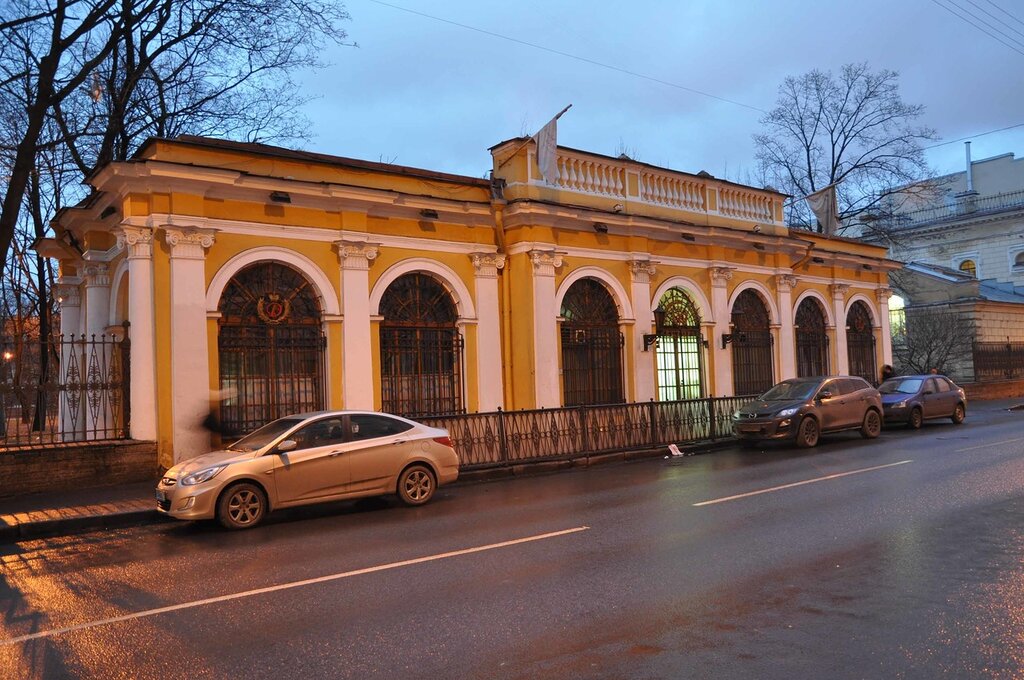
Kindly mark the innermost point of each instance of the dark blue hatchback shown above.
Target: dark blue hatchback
(912, 399)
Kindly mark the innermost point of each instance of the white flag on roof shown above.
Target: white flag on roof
(823, 204)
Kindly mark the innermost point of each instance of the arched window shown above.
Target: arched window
(420, 348)
(680, 353)
(1018, 260)
(969, 267)
(860, 342)
(752, 363)
(811, 339)
(271, 347)
(591, 346)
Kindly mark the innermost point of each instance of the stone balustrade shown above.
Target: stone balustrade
(638, 183)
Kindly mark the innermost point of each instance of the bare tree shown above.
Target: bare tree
(98, 77)
(933, 338)
(853, 130)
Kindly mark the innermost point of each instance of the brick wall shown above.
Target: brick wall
(76, 466)
(1002, 389)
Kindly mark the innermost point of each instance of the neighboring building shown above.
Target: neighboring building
(297, 281)
(946, 319)
(971, 221)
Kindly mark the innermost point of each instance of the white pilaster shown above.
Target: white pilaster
(190, 363)
(545, 328)
(784, 283)
(883, 295)
(720, 277)
(138, 243)
(490, 381)
(71, 406)
(355, 257)
(839, 307)
(97, 298)
(641, 270)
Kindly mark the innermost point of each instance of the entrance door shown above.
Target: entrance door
(752, 361)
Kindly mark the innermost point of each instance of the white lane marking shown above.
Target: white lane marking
(806, 481)
(286, 586)
(985, 446)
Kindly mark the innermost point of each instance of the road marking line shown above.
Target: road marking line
(806, 481)
(985, 446)
(286, 586)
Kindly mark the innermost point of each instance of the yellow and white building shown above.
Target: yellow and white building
(288, 280)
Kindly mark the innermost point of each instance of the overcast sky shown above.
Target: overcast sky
(425, 93)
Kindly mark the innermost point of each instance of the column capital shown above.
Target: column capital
(356, 254)
(839, 290)
(137, 240)
(641, 270)
(786, 282)
(68, 294)
(545, 262)
(487, 264)
(96, 274)
(189, 243)
(720, 276)
(883, 295)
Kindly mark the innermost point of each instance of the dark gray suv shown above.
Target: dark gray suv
(802, 409)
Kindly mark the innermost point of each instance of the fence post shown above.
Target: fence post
(583, 429)
(126, 381)
(654, 423)
(713, 421)
(502, 442)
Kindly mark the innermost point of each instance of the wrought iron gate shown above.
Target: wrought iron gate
(591, 346)
(811, 340)
(860, 343)
(271, 348)
(752, 369)
(420, 349)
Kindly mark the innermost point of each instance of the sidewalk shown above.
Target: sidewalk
(109, 507)
(52, 514)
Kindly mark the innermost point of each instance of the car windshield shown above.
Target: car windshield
(266, 434)
(901, 386)
(791, 390)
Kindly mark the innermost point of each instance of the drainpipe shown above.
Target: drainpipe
(970, 173)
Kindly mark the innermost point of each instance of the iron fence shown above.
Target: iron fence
(507, 437)
(64, 389)
(998, 360)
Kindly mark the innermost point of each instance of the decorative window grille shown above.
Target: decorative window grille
(752, 363)
(591, 346)
(680, 355)
(811, 339)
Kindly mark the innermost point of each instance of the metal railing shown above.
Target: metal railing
(998, 360)
(64, 389)
(509, 437)
(964, 207)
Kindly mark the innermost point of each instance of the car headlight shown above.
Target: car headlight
(901, 404)
(787, 412)
(736, 415)
(202, 476)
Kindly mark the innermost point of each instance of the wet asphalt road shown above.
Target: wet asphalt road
(912, 570)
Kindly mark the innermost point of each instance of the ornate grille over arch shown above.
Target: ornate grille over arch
(752, 363)
(680, 359)
(271, 347)
(811, 339)
(591, 346)
(860, 342)
(420, 348)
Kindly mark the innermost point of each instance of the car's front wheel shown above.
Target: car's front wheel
(872, 425)
(916, 419)
(416, 485)
(241, 506)
(808, 433)
(958, 414)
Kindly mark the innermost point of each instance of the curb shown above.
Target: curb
(75, 525)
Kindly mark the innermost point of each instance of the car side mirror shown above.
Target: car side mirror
(287, 445)
(824, 394)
